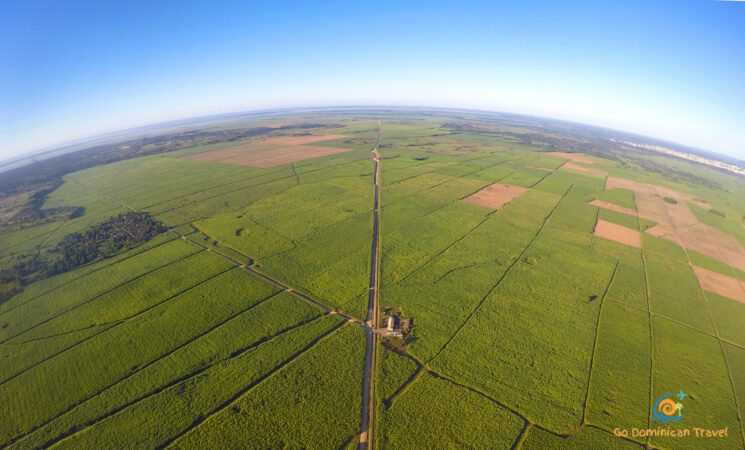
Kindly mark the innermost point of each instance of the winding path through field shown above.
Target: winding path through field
(367, 420)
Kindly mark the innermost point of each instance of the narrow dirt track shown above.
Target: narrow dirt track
(367, 419)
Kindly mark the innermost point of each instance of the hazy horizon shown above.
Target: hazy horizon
(671, 71)
(128, 133)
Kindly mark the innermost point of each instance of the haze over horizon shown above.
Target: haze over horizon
(669, 70)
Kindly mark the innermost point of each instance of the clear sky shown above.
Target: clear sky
(668, 69)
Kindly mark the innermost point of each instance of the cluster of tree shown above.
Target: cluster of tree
(102, 240)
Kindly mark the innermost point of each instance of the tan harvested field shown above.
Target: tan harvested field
(496, 195)
(584, 169)
(272, 151)
(612, 207)
(676, 222)
(617, 233)
(719, 284)
(576, 157)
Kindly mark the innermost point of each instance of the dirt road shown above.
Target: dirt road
(367, 421)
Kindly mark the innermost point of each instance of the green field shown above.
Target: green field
(243, 325)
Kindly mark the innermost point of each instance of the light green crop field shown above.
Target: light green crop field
(245, 325)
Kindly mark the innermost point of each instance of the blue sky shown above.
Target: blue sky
(673, 70)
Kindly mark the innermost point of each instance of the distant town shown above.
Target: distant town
(689, 156)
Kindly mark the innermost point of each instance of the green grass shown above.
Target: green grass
(536, 330)
(618, 218)
(587, 437)
(393, 372)
(729, 317)
(736, 362)
(620, 197)
(434, 413)
(674, 292)
(44, 286)
(311, 402)
(689, 360)
(57, 383)
(661, 247)
(619, 384)
(240, 333)
(69, 296)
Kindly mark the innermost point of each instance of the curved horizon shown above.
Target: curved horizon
(668, 70)
(109, 135)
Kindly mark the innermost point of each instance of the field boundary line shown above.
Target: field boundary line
(64, 333)
(248, 388)
(83, 276)
(504, 274)
(595, 343)
(173, 382)
(121, 321)
(240, 189)
(456, 241)
(97, 296)
(520, 415)
(446, 204)
(215, 186)
(388, 402)
(521, 437)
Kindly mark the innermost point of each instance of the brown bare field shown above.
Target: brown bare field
(576, 157)
(272, 151)
(676, 222)
(496, 195)
(719, 284)
(617, 233)
(584, 169)
(612, 207)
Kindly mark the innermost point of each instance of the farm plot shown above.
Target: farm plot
(618, 394)
(34, 311)
(676, 222)
(687, 360)
(537, 331)
(728, 317)
(618, 233)
(586, 437)
(312, 402)
(259, 324)
(197, 405)
(42, 287)
(272, 151)
(674, 292)
(719, 284)
(435, 413)
(95, 364)
(495, 196)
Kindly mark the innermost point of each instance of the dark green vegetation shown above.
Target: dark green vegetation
(101, 240)
(194, 304)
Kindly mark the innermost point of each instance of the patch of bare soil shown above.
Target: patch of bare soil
(576, 157)
(612, 207)
(496, 195)
(719, 284)
(272, 151)
(617, 233)
(573, 166)
(676, 222)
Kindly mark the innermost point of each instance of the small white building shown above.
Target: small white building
(390, 323)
